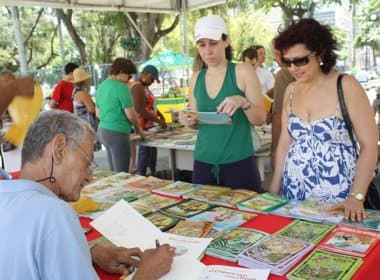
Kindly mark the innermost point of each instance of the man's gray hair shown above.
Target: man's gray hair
(49, 124)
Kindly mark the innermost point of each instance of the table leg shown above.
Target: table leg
(172, 162)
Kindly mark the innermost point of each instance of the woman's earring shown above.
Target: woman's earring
(321, 63)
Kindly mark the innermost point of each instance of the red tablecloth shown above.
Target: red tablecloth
(270, 224)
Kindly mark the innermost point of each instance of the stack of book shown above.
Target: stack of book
(149, 183)
(263, 203)
(153, 202)
(275, 252)
(162, 221)
(322, 264)
(192, 229)
(350, 241)
(371, 221)
(233, 242)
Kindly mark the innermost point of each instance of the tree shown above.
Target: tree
(369, 21)
(293, 9)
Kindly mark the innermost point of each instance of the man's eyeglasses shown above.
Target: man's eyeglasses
(298, 61)
(91, 164)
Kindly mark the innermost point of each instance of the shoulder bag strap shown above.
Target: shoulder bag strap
(345, 114)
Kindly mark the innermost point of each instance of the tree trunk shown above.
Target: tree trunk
(66, 19)
(19, 41)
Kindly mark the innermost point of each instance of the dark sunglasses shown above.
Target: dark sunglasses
(298, 61)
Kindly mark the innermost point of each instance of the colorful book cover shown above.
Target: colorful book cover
(149, 183)
(233, 197)
(322, 264)
(306, 230)
(142, 209)
(275, 250)
(265, 202)
(115, 194)
(372, 221)
(206, 192)
(176, 189)
(223, 218)
(192, 229)
(350, 241)
(316, 210)
(162, 221)
(154, 201)
(86, 206)
(233, 242)
(186, 208)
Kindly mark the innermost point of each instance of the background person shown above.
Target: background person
(116, 114)
(62, 94)
(282, 79)
(143, 100)
(55, 246)
(315, 157)
(223, 153)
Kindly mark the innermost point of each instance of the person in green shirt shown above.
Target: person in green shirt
(116, 114)
(223, 153)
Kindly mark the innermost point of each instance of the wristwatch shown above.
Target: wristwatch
(358, 196)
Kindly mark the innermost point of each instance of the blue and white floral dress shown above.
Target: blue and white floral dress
(320, 163)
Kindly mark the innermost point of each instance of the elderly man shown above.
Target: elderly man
(40, 236)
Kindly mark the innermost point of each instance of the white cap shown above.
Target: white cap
(210, 27)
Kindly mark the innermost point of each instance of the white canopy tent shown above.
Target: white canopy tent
(146, 6)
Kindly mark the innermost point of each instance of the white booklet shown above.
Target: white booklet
(124, 226)
(222, 272)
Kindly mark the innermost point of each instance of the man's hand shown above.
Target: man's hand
(155, 263)
(115, 259)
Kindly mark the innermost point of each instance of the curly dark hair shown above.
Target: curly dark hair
(123, 65)
(316, 37)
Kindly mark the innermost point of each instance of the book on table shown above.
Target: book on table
(223, 218)
(223, 272)
(371, 221)
(206, 192)
(275, 252)
(317, 211)
(321, 264)
(350, 241)
(176, 189)
(186, 208)
(154, 201)
(192, 229)
(306, 230)
(232, 197)
(163, 222)
(149, 183)
(233, 242)
(264, 203)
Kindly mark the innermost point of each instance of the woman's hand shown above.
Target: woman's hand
(186, 118)
(353, 209)
(230, 104)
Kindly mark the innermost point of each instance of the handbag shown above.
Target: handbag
(372, 199)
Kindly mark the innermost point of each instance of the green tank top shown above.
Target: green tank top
(220, 144)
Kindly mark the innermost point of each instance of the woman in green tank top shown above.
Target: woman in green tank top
(223, 153)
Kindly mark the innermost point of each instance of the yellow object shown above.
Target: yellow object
(23, 111)
(84, 205)
(267, 103)
(166, 105)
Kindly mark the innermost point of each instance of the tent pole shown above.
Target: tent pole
(184, 35)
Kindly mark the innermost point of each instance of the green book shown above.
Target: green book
(322, 264)
(233, 242)
(265, 203)
(306, 230)
(162, 221)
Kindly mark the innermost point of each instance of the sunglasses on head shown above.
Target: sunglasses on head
(298, 61)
